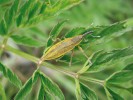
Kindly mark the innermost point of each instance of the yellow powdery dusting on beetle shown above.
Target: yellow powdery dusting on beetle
(63, 47)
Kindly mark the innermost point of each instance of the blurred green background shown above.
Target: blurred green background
(89, 12)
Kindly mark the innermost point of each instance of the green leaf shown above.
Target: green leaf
(102, 59)
(44, 94)
(23, 40)
(27, 87)
(35, 76)
(24, 90)
(42, 9)
(10, 75)
(54, 10)
(129, 67)
(64, 4)
(15, 6)
(59, 7)
(4, 1)
(130, 90)
(115, 96)
(3, 28)
(41, 93)
(50, 11)
(112, 29)
(75, 31)
(23, 11)
(125, 87)
(106, 33)
(10, 14)
(50, 41)
(9, 18)
(19, 20)
(48, 96)
(51, 87)
(87, 93)
(57, 29)
(2, 92)
(26, 6)
(55, 32)
(96, 55)
(34, 11)
(40, 13)
(120, 86)
(84, 93)
(120, 77)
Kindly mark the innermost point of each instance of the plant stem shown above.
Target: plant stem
(85, 67)
(4, 43)
(83, 70)
(36, 60)
(25, 55)
(78, 90)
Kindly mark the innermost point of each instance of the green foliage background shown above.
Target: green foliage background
(33, 28)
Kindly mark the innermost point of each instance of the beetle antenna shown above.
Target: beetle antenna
(89, 32)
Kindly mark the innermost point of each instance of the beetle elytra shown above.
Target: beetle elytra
(63, 47)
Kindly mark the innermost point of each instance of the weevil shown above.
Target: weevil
(62, 47)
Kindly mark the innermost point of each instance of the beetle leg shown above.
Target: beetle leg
(62, 61)
(58, 40)
(84, 54)
(70, 63)
(58, 59)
